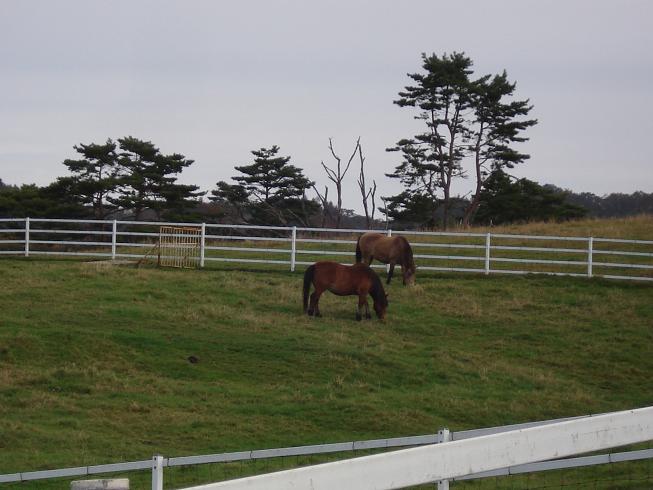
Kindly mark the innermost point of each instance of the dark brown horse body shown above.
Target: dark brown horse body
(344, 280)
(388, 250)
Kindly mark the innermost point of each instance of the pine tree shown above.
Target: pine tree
(507, 200)
(497, 125)
(271, 178)
(233, 198)
(463, 118)
(52, 201)
(432, 158)
(148, 179)
(275, 189)
(94, 177)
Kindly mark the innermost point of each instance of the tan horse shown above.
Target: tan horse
(344, 280)
(388, 250)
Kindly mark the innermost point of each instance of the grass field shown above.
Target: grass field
(94, 361)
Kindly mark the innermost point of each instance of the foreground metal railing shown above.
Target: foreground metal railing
(158, 463)
(484, 253)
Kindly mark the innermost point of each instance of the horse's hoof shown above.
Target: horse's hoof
(368, 317)
(359, 318)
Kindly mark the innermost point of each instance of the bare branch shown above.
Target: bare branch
(337, 175)
(365, 193)
(321, 197)
(330, 173)
(324, 199)
(373, 193)
(353, 154)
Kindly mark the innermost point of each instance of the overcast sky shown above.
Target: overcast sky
(214, 80)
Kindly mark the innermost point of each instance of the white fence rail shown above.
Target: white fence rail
(579, 434)
(432, 463)
(485, 253)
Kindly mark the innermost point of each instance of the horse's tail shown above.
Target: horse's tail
(359, 254)
(308, 278)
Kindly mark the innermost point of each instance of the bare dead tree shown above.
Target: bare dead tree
(326, 211)
(367, 194)
(337, 175)
(372, 195)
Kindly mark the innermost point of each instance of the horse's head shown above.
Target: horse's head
(409, 275)
(380, 306)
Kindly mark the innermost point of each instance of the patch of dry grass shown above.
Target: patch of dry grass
(638, 227)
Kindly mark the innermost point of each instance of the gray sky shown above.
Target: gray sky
(214, 80)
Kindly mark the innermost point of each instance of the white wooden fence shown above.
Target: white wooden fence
(486, 253)
(470, 454)
(455, 459)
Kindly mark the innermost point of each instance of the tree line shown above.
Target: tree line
(471, 128)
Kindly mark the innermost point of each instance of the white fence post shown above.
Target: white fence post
(590, 244)
(293, 249)
(114, 239)
(487, 253)
(202, 244)
(26, 237)
(157, 472)
(387, 267)
(444, 435)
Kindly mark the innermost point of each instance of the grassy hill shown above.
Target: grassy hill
(638, 227)
(94, 362)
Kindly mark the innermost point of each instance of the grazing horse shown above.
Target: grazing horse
(344, 280)
(389, 250)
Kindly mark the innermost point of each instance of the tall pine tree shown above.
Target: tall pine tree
(498, 124)
(432, 158)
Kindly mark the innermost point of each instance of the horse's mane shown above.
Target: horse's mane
(377, 291)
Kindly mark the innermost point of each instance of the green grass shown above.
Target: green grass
(94, 362)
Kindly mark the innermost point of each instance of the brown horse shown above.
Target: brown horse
(389, 250)
(344, 280)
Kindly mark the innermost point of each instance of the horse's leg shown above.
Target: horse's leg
(362, 301)
(315, 299)
(317, 310)
(312, 304)
(404, 270)
(314, 308)
(367, 308)
(391, 271)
